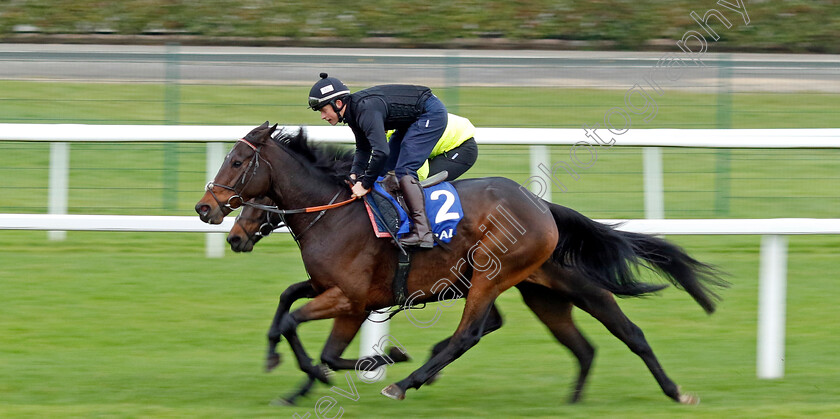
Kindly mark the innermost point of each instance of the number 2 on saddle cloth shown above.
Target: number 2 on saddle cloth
(443, 207)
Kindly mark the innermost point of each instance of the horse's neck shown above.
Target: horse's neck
(295, 187)
(321, 231)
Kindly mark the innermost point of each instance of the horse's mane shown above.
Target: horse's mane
(332, 161)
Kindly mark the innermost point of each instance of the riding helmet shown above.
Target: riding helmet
(326, 91)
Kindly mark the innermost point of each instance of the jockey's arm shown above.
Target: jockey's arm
(372, 124)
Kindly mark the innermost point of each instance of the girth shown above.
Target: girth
(399, 285)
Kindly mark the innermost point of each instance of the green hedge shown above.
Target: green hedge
(797, 25)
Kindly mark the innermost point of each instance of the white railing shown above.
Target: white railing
(191, 224)
(727, 138)
(538, 138)
(772, 285)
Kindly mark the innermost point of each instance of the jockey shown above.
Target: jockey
(419, 119)
(455, 152)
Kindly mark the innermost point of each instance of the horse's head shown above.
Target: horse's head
(252, 224)
(243, 175)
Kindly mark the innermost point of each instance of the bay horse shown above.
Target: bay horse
(254, 223)
(351, 271)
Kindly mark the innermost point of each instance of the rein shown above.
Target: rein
(322, 208)
(276, 210)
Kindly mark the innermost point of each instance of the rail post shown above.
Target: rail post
(215, 242)
(772, 287)
(58, 184)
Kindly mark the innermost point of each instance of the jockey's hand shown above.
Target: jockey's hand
(359, 190)
(351, 179)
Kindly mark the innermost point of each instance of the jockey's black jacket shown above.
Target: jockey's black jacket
(373, 111)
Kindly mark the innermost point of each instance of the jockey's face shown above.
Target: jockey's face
(328, 113)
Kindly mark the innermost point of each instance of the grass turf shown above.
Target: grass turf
(143, 325)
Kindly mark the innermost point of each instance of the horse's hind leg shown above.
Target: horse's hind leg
(555, 311)
(601, 305)
(293, 293)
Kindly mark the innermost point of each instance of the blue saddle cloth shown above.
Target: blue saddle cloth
(443, 208)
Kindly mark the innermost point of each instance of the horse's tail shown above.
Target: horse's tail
(685, 272)
(602, 254)
(609, 257)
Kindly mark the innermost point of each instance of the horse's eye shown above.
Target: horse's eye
(237, 164)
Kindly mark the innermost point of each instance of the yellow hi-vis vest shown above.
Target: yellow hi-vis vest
(458, 130)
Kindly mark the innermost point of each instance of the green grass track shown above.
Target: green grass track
(143, 325)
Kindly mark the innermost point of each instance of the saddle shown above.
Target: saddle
(387, 208)
(388, 222)
(392, 186)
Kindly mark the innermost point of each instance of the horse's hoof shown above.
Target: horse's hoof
(282, 402)
(689, 399)
(271, 362)
(398, 355)
(322, 373)
(393, 391)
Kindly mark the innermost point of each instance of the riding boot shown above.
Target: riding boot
(421, 234)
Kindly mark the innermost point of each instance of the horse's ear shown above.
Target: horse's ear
(268, 131)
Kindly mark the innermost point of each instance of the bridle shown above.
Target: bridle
(235, 201)
(266, 227)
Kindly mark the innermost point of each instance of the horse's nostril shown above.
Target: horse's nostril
(234, 240)
(202, 209)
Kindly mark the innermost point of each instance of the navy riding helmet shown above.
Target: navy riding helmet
(326, 91)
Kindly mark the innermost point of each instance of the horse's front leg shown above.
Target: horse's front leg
(293, 293)
(344, 330)
(302, 390)
(329, 304)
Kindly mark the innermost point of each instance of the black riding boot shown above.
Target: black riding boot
(421, 234)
